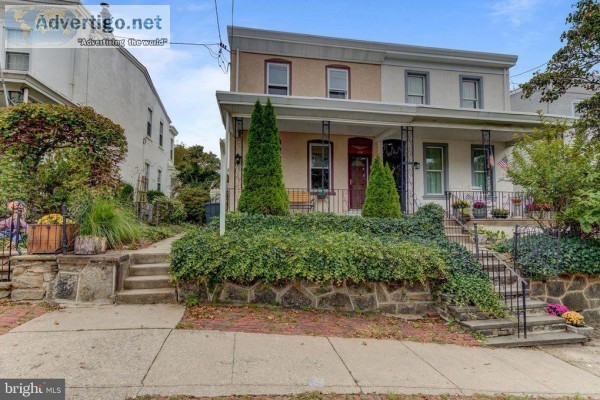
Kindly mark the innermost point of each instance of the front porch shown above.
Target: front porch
(327, 147)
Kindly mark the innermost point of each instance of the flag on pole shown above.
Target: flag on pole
(491, 159)
(503, 163)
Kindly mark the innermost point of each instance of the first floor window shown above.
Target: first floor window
(478, 162)
(278, 78)
(159, 181)
(147, 172)
(17, 61)
(337, 83)
(320, 165)
(434, 170)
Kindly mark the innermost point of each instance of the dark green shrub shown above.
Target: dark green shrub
(169, 211)
(538, 255)
(193, 199)
(125, 193)
(264, 191)
(474, 290)
(153, 195)
(381, 199)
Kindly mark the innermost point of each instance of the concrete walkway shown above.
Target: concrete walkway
(112, 352)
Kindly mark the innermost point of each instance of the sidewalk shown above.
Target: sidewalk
(112, 352)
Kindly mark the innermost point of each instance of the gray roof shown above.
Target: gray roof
(351, 50)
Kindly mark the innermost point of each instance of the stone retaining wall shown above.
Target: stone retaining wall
(66, 279)
(578, 292)
(394, 297)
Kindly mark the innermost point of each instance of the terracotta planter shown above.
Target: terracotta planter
(47, 238)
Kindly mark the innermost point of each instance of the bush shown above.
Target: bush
(264, 191)
(169, 211)
(381, 199)
(538, 255)
(476, 290)
(125, 193)
(153, 195)
(193, 199)
(275, 256)
(104, 217)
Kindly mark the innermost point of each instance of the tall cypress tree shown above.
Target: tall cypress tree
(382, 199)
(264, 191)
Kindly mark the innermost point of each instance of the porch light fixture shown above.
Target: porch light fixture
(417, 165)
(238, 159)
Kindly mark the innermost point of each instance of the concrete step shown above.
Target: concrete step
(534, 307)
(149, 258)
(536, 339)
(147, 282)
(508, 326)
(149, 269)
(147, 296)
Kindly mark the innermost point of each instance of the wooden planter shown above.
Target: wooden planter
(47, 238)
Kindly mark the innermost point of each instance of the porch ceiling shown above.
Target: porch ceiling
(376, 119)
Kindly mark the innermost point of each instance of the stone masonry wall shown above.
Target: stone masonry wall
(32, 276)
(391, 297)
(578, 292)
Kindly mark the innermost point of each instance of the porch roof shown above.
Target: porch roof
(304, 114)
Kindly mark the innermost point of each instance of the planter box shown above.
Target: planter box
(582, 330)
(480, 212)
(47, 238)
(90, 245)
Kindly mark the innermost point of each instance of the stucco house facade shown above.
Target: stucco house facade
(438, 117)
(110, 80)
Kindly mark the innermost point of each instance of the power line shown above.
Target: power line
(218, 23)
(529, 70)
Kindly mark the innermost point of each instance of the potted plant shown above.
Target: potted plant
(46, 236)
(481, 236)
(464, 214)
(458, 207)
(500, 213)
(494, 236)
(479, 209)
(576, 324)
(516, 202)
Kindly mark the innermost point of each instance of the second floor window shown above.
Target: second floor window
(172, 148)
(161, 130)
(17, 61)
(149, 125)
(416, 88)
(320, 165)
(470, 89)
(337, 83)
(159, 181)
(278, 78)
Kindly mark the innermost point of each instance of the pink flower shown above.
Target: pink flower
(556, 309)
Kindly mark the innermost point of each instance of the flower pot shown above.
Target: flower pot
(586, 331)
(480, 212)
(47, 238)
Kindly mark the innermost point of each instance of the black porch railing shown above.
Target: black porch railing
(494, 204)
(508, 284)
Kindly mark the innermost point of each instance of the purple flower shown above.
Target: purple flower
(556, 309)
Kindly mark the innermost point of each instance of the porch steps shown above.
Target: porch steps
(542, 329)
(148, 281)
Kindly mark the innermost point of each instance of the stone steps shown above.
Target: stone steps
(472, 313)
(148, 281)
(536, 339)
(147, 296)
(508, 326)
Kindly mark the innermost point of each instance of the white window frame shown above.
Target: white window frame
(424, 78)
(345, 92)
(442, 171)
(161, 133)
(478, 92)
(287, 86)
(20, 53)
(310, 167)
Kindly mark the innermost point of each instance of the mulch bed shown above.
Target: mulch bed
(15, 314)
(254, 319)
(319, 396)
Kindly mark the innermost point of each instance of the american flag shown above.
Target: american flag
(503, 163)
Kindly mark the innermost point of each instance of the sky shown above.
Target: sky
(187, 77)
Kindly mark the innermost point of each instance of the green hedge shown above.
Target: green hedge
(538, 255)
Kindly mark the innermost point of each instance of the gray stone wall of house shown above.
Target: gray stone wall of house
(67, 279)
(391, 297)
(577, 292)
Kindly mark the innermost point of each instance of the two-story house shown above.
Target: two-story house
(110, 80)
(440, 118)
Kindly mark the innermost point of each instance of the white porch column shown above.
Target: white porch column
(224, 165)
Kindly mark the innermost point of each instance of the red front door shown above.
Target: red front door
(357, 179)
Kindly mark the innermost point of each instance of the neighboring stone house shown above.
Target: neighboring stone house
(110, 80)
(441, 118)
(564, 105)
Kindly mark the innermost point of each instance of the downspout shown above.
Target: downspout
(237, 69)
(506, 90)
(224, 164)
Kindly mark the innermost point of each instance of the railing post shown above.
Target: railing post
(476, 240)
(64, 243)
(523, 293)
(515, 245)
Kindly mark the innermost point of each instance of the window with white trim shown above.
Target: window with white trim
(278, 78)
(320, 165)
(416, 88)
(161, 131)
(470, 93)
(337, 83)
(17, 61)
(434, 170)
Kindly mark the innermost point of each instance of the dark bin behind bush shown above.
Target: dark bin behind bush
(211, 210)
